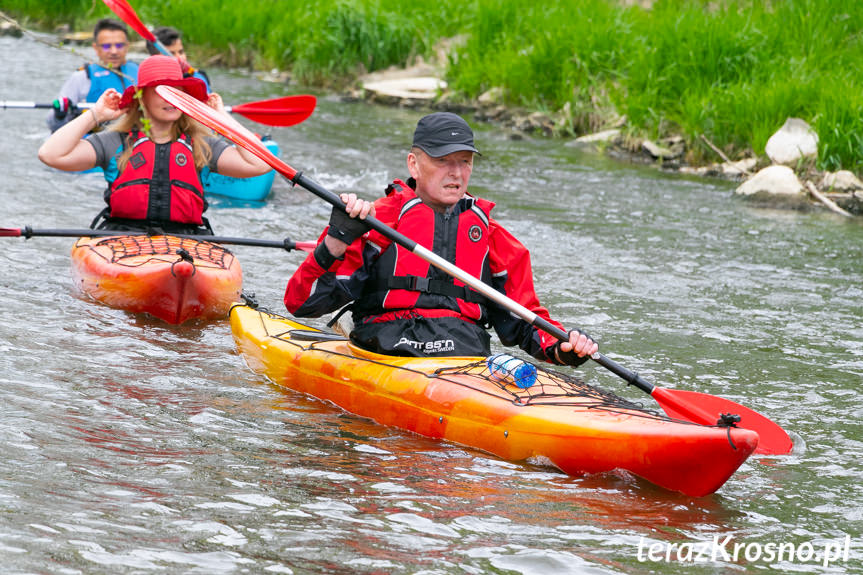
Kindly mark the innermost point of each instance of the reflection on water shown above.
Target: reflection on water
(130, 446)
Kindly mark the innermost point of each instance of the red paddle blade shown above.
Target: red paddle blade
(707, 410)
(305, 246)
(127, 14)
(10, 232)
(285, 111)
(225, 125)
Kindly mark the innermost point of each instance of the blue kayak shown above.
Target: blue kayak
(254, 189)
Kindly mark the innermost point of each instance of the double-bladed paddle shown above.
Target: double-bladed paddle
(127, 14)
(286, 244)
(283, 111)
(691, 406)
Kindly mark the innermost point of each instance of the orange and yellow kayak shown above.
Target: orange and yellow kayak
(560, 420)
(174, 279)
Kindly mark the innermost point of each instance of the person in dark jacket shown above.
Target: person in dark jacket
(402, 305)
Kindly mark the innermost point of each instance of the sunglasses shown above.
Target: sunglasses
(116, 45)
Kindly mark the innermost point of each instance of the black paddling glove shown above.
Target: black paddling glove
(345, 228)
(568, 357)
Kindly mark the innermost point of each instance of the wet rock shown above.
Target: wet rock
(726, 170)
(605, 136)
(792, 143)
(777, 185)
(739, 168)
(493, 114)
(491, 97)
(12, 29)
(424, 88)
(841, 181)
(660, 152)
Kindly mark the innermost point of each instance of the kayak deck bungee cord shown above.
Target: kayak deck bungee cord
(171, 278)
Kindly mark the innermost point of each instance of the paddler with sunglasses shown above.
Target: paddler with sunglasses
(111, 43)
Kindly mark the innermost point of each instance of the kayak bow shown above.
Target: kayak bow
(174, 279)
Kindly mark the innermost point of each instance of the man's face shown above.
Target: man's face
(441, 182)
(177, 50)
(111, 47)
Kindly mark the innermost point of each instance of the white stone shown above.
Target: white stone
(773, 181)
(419, 88)
(493, 96)
(596, 137)
(841, 181)
(793, 141)
(657, 151)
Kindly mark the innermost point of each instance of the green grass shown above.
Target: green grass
(732, 70)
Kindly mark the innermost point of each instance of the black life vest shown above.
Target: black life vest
(159, 183)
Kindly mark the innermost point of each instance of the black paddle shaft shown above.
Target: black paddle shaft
(628, 376)
(286, 244)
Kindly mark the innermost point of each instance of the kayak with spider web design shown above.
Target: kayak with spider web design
(559, 419)
(171, 278)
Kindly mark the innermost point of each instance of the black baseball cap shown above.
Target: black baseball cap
(443, 133)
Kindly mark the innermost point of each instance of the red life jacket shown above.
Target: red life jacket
(160, 183)
(401, 280)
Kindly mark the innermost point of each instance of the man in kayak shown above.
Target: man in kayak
(172, 40)
(401, 304)
(152, 153)
(111, 43)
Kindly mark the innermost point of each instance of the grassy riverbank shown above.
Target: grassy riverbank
(731, 70)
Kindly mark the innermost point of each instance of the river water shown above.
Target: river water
(131, 446)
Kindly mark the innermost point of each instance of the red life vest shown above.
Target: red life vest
(404, 281)
(160, 183)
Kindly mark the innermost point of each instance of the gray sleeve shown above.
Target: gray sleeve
(106, 145)
(75, 88)
(217, 146)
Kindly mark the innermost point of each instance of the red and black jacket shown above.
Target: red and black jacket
(471, 239)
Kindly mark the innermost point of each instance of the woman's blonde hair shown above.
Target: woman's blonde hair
(131, 120)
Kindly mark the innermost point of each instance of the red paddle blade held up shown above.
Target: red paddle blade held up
(225, 125)
(127, 14)
(283, 112)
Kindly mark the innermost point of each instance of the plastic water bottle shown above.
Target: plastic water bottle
(504, 367)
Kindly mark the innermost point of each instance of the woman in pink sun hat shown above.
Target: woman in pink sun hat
(152, 153)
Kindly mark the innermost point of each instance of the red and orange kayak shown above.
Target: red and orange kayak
(560, 420)
(174, 279)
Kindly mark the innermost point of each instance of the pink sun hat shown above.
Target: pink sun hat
(161, 70)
